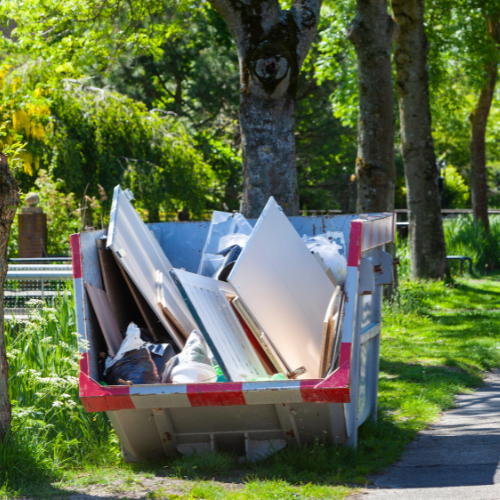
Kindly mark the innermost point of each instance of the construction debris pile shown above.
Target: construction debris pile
(265, 303)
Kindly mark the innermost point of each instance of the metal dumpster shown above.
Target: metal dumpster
(251, 418)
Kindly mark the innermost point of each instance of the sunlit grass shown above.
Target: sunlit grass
(437, 340)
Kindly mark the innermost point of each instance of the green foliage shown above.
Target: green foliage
(456, 192)
(463, 237)
(50, 427)
(63, 215)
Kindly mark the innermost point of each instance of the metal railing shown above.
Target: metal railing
(29, 279)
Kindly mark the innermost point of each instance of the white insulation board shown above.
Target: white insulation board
(141, 256)
(286, 289)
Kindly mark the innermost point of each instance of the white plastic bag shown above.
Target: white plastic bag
(330, 251)
(225, 231)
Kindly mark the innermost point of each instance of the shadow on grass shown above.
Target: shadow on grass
(380, 444)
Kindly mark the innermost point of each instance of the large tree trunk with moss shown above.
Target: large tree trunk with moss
(272, 44)
(478, 123)
(427, 244)
(9, 201)
(372, 32)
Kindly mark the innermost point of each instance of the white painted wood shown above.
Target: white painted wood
(285, 288)
(219, 325)
(141, 256)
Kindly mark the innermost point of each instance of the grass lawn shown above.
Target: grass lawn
(436, 342)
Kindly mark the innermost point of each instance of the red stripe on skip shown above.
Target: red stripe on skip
(98, 398)
(76, 256)
(225, 394)
(356, 233)
(335, 388)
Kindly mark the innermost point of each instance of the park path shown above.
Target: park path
(457, 458)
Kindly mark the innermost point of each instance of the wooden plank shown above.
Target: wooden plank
(278, 362)
(280, 281)
(105, 317)
(263, 356)
(122, 303)
(328, 332)
(163, 303)
(153, 324)
(141, 257)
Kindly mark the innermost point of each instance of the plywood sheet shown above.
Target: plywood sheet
(208, 301)
(120, 299)
(141, 256)
(286, 289)
(105, 317)
(153, 323)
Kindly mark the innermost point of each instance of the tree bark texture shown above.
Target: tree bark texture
(272, 44)
(9, 201)
(427, 243)
(372, 32)
(478, 124)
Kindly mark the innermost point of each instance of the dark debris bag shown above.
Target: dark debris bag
(136, 366)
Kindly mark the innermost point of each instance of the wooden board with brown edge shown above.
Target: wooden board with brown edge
(157, 330)
(263, 356)
(105, 317)
(266, 344)
(162, 302)
(122, 302)
(328, 332)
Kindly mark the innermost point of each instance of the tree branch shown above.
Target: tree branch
(306, 14)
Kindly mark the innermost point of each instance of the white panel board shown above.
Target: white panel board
(219, 325)
(285, 288)
(142, 257)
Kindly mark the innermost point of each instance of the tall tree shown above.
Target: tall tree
(272, 44)
(427, 244)
(9, 201)
(478, 124)
(372, 32)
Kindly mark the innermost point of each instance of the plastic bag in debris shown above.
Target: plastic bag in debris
(227, 232)
(135, 366)
(195, 352)
(328, 247)
(137, 361)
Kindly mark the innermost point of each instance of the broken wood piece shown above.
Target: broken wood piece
(125, 382)
(263, 356)
(328, 332)
(155, 327)
(122, 303)
(163, 303)
(107, 321)
(266, 344)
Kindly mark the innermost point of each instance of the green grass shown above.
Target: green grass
(437, 341)
(463, 237)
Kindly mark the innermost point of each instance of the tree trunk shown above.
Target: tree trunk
(478, 123)
(372, 32)
(427, 244)
(9, 200)
(272, 44)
